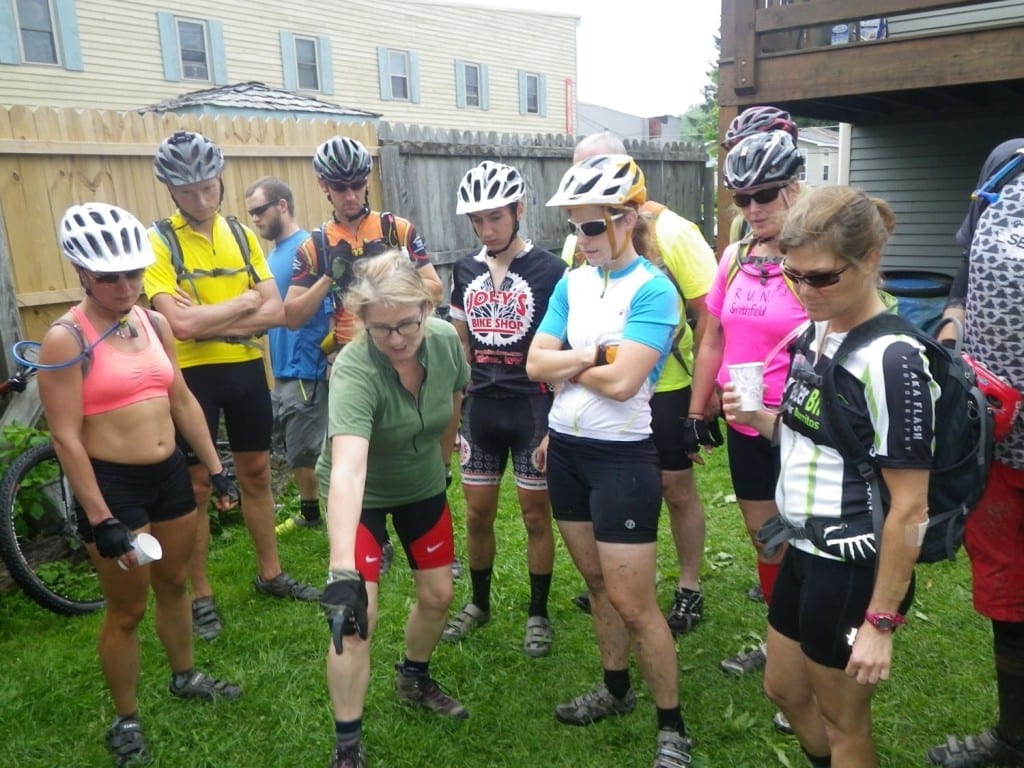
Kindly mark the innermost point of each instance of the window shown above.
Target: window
(825, 165)
(532, 94)
(306, 63)
(40, 32)
(471, 85)
(398, 72)
(192, 49)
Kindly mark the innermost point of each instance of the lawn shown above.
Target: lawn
(54, 709)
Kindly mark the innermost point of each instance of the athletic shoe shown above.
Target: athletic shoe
(781, 724)
(745, 661)
(387, 554)
(423, 692)
(348, 756)
(673, 750)
(205, 688)
(304, 522)
(464, 622)
(987, 748)
(686, 612)
(582, 601)
(284, 585)
(755, 594)
(126, 743)
(456, 568)
(594, 705)
(205, 618)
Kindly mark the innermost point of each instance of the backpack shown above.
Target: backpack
(963, 437)
(734, 266)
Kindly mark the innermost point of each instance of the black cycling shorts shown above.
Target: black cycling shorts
(494, 428)
(668, 409)
(240, 392)
(754, 466)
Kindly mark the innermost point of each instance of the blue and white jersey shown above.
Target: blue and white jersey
(590, 307)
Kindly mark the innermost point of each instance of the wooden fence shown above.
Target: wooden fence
(53, 158)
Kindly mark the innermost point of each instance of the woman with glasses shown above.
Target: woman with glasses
(752, 310)
(393, 410)
(836, 607)
(113, 394)
(602, 343)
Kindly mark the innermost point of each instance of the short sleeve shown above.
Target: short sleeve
(556, 319)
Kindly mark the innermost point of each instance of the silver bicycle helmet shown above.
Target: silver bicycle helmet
(104, 238)
(342, 160)
(489, 185)
(612, 180)
(185, 157)
(763, 158)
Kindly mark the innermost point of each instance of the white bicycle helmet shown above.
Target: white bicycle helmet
(488, 186)
(342, 160)
(612, 180)
(104, 238)
(185, 157)
(762, 158)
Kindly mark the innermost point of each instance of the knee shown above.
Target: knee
(537, 520)
(436, 599)
(254, 475)
(125, 617)
(480, 519)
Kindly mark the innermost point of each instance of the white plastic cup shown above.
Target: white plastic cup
(749, 381)
(146, 548)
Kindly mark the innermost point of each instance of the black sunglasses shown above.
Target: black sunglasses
(112, 277)
(814, 279)
(259, 210)
(761, 197)
(594, 227)
(353, 186)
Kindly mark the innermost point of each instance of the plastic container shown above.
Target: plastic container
(921, 296)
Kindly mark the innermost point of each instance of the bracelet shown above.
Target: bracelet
(884, 622)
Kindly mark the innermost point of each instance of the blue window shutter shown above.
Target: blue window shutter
(289, 73)
(326, 67)
(522, 93)
(414, 77)
(67, 23)
(485, 94)
(218, 58)
(169, 46)
(542, 94)
(460, 83)
(384, 74)
(8, 36)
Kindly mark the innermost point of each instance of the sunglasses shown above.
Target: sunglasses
(594, 227)
(259, 210)
(353, 186)
(761, 197)
(814, 279)
(112, 277)
(405, 329)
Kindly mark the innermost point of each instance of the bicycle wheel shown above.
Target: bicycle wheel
(39, 542)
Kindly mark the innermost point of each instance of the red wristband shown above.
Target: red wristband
(884, 622)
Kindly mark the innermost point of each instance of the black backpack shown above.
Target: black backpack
(963, 437)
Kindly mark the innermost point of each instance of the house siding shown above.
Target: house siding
(123, 66)
(956, 19)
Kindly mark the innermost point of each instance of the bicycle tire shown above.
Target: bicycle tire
(39, 542)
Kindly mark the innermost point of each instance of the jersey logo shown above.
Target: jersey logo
(499, 318)
(432, 548)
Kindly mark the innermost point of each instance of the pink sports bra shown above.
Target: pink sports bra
(117, 378)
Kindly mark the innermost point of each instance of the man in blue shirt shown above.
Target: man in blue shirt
(298, 363)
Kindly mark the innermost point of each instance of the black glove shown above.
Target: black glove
(447, 477)
(224, 485)
(344, 602)
(112, 538)
(698, 432)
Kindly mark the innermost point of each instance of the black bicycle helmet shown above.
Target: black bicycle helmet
(342, 160)
(758, 120)
(763, 158)
(185, 157)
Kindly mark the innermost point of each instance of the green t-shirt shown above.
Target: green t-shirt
(367, 399)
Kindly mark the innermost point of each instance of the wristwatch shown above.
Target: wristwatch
(884, 622)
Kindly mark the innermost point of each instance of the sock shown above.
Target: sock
(540, 586)
(481, 588)
(419, 668)
(179, 679)
(310, 508)
(818, 762)
(348, 731)
(1011, 707)
(121, 718)
(617, 682)
(671, 719)
(766, 574)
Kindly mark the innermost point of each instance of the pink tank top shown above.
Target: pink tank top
(117, 378)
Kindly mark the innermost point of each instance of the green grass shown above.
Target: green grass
(54, 708)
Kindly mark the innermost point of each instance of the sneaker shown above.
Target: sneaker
(422, 691)
(348, 756)
(755, 594)
(205, 618)
(456, 568)
(464, 622)
(582, 601)
(205, 688)
(781, 724)
(305, 522)
(284, 585)
(745, 661)
(673, 750)
(126, 743)
(686, 612)
(987, 748)
(539, 637)
(387, 554)
(594, 705)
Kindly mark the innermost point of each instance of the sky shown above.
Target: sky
(647, 58)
